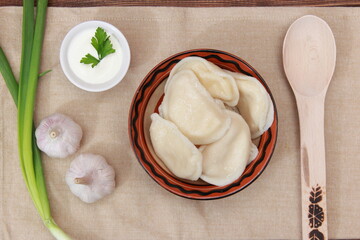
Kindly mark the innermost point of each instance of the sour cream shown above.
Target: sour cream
(105, 70)
(108, 72)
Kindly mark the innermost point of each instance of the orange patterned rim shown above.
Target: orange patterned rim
(138, 106)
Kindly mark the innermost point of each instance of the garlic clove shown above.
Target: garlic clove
(58, 136)
(90, 177)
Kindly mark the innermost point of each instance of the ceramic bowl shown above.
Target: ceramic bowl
(121, 71)
(146, 101)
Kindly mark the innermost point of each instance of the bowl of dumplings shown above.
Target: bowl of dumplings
(203, 124)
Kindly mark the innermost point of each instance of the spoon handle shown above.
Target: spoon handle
(313, 171)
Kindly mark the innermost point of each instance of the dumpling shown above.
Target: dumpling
(255, 104)
(160, 109)
(179, 155)
(197, 115)
(220, 84)
(254, 151)
(225, 160)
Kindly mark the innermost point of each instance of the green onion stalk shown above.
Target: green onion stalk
(23, 94)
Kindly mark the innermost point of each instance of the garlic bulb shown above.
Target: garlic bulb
(90, 177)
(58, 136)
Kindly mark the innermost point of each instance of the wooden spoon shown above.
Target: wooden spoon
(309, 55)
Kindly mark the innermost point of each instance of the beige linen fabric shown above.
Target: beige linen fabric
(141, 209)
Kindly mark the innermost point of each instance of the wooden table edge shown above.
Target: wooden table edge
(194, 3)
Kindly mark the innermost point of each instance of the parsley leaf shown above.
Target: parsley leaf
(90, 59)
(103, 46)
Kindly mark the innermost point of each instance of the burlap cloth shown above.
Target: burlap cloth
(141, 209)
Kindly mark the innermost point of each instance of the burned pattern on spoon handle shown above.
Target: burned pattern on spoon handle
(316, 214)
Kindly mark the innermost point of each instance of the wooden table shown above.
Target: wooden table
(192, 3)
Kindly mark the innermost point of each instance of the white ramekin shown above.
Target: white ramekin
(123, 68)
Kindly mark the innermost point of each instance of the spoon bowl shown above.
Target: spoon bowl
(309, 55)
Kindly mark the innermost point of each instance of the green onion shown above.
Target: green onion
(44, 73)
(24, 97)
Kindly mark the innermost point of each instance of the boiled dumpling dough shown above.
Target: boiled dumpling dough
(217, 101)
(220, 84)
(160, 109)
(225, 160)
(197, 115)
(255, 104)
(254, 151)
(179, 155)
